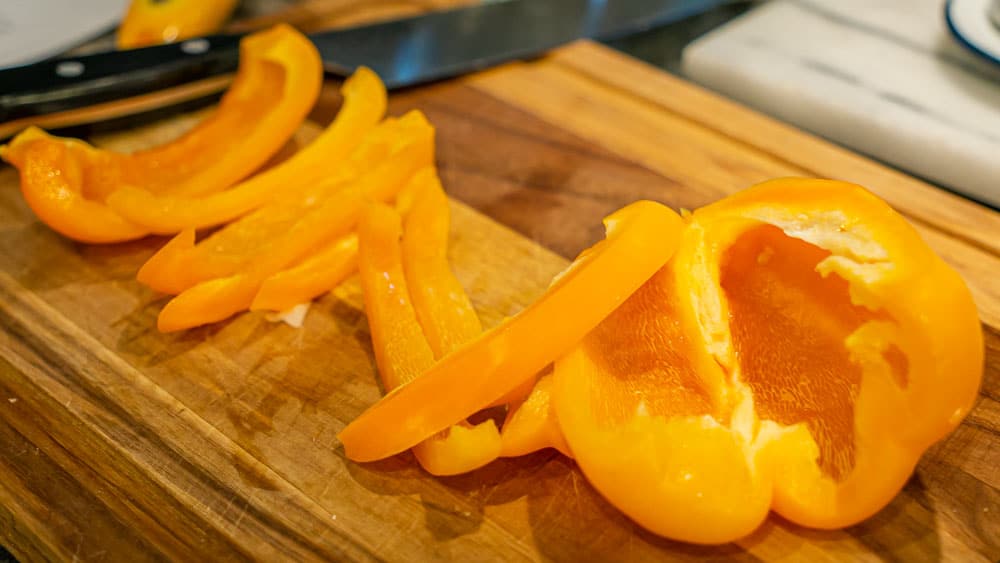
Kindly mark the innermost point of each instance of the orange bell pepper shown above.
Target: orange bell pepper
(66, 181)
(363, 107)
(402, 350)
(181, 263)
(641, 238)
(799, 353)
(297, 227)
(151, 22)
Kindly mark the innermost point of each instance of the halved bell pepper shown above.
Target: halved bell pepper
(798, 354)
(640, 239)
(151, 22)
(306, 226)
(402, 350)
(181, 263)
(66, 181)
(363, 107)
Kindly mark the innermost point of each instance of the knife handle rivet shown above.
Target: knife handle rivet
(195, 46)
(69, 69)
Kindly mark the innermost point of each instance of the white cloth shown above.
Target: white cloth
(881, 77)
(32, 30)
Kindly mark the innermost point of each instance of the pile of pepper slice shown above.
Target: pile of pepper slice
(794, 347)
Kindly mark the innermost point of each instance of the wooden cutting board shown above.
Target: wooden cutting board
(121, 443)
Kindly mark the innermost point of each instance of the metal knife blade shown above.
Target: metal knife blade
(445, 44)
(403, 52)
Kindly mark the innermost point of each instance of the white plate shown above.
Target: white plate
(32, 30)
(969, 21)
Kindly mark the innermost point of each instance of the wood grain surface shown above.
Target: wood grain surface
(124, 444)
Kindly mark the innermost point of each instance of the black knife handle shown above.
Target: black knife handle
(74, 82)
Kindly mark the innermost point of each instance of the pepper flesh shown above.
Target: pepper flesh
(151, 22)
(66, 181)
(302, 226)
(798, 354)
(402, 350)
(641, 238)
(363, 107)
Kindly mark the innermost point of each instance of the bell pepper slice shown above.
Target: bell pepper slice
(402, 351)
(326, 269)
(449, 316)
(52, 174)
(640, 239)
(66, 181)
(181, 263)
(441, 303)
(531, 423)
(151, 22)
(311, 278)
(363, 107)
(306, 226)
(798, 354)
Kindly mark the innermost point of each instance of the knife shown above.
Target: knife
(403, 52)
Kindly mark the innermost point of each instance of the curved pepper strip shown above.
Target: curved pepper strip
(443, 308)
(313, 277)
(181, 263)
(363, 107)
(402, 351)
(640, 239)
(799, 353)
(151, 22)
(531, 423)
(52, 174)
(66, 181)
(448, 320)
(332, 217)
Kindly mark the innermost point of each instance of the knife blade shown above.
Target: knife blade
(403, 52)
